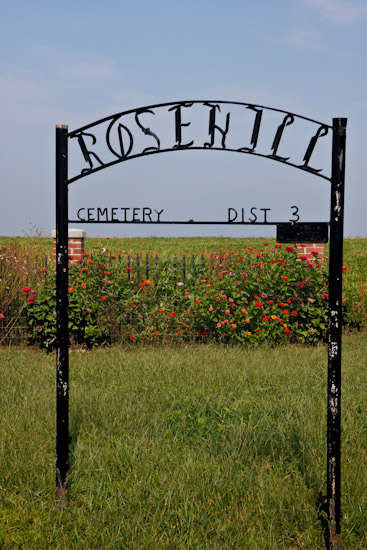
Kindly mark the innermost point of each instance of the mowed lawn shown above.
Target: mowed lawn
(181, 448)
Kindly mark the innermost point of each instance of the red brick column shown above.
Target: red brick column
(311, 251)
(76, 245)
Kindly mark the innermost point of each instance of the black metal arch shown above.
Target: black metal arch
(95, 163)
(124, 135)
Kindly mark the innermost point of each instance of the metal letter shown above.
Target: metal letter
(158, 212)
(287, 121)
(179, 124)
(78, 214)
(87, 154)
(321, 132)
(122, 154)
(255, 130)
(213, 126)
(101, 213)
(230, 219)
(253, 213)
(265, 210)
(147, 131)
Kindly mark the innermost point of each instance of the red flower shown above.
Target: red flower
(107, 272)
(179, 334)
(285, 278)
(84, 285)
(2, 316)
(103, 298)
(31, 299)
(304, 258)
(240, 259)
(128, 268)
(131, 337)
(26, 289)
(259, 304)
(289, 248)
(286, 330)
(131, 304)
(282, 304)
(156, 333)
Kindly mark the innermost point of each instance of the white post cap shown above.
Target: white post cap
(72, 234)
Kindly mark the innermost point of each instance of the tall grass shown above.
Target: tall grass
(181, 448)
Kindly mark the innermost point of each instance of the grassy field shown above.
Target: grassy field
(354, 249)
(181, 448)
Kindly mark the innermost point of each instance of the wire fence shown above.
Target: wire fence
(14, 328)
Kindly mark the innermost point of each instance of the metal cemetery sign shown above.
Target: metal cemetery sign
(173, 127)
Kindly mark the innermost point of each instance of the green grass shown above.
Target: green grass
(183, 448)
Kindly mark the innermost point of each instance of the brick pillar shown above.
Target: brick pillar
(76, 245)
(311, 251)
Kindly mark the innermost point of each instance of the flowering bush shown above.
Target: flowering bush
(269, 295)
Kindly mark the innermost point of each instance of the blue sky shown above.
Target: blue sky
(74, 62)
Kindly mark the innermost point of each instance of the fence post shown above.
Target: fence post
(76, 239)
(62, 317)
(335, 331)
(311, 251)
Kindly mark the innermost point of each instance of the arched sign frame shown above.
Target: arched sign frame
(313, 232)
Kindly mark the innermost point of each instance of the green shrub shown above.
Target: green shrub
(269, 295)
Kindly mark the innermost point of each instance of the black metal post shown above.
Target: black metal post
(62, 359)
(335, 332)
